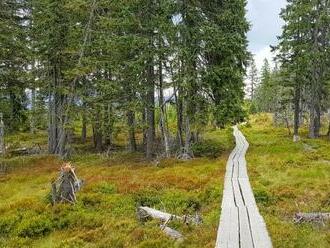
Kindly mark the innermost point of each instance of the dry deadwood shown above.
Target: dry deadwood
(317, 218)
(65, 187)
(25, 150)
(143, 213)
(172, 233)
(185, 154)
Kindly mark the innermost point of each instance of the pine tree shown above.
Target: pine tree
(304, 52)
(252, 77)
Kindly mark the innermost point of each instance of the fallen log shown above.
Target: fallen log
(318, 218)
(143, 213)
(172, 233)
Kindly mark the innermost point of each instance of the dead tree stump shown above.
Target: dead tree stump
(65, 187)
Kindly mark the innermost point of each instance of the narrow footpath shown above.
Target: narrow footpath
(241, 225)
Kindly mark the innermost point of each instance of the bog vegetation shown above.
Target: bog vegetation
(140, 97)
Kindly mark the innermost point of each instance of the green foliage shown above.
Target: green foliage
(207, 148)
(33, 226)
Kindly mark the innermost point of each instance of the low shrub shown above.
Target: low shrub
(32, 226)
(207, 148)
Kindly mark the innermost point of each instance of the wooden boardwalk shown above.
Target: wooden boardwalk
(241, 224)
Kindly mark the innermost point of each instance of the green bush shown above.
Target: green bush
(207, 148)
(32, 226)
(7, 224)
(147, 197)
(105, 188)
(263, 197)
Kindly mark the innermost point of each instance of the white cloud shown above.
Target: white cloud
(261, 55)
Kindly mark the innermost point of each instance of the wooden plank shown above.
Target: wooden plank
(237, 193)
(245, 232)
(223, 230)
(241, 224)
(247, 192)
(258, 229)
(233, 240)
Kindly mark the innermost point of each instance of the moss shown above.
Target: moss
(285, 177)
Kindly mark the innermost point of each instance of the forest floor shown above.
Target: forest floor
(286, 178)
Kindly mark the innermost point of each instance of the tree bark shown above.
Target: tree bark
(131, 131)
(97, 133)
(162, 106)
(108, 120)
(84, 124)
(2, 135)
(33, 111)
(179, 114)
(296, 113)
(150, 113)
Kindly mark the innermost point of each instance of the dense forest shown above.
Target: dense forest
(122, 66)
(124, 123)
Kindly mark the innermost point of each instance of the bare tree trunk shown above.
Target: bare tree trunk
(2, 136)
(187, 135)
(179, 114)
(144, 128)
(97, 133)
(317, 119)
(33, 111)
(54, 105)
(108, 120)
(296, 113)
(150, 113)
(131, 131)
(84, 124)
(162, 105)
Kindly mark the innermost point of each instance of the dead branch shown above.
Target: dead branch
(317, 218)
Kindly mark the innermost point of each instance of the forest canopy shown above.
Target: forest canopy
(122, 66)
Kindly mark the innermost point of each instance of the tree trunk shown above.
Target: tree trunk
(97, 133)
(2, 136)
(179, 114)
(84, 124)
(150, 113)
(54, 104)
(131, 131)
(317, 119)
(163, 119)
(187, 135)
(296, 113)
(108, 120)
(33, 111)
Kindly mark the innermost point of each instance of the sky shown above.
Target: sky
(266, 26)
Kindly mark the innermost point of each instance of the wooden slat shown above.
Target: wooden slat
(245, 232)
(237, 193)
(241, 224)
(233, 228)
(258, 229)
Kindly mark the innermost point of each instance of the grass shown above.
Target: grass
(105, 215)
(286, 177)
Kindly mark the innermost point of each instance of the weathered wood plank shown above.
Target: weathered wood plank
(237, 193)
(245, 232)
(241, 224)
(258, 229)
(233, 240)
